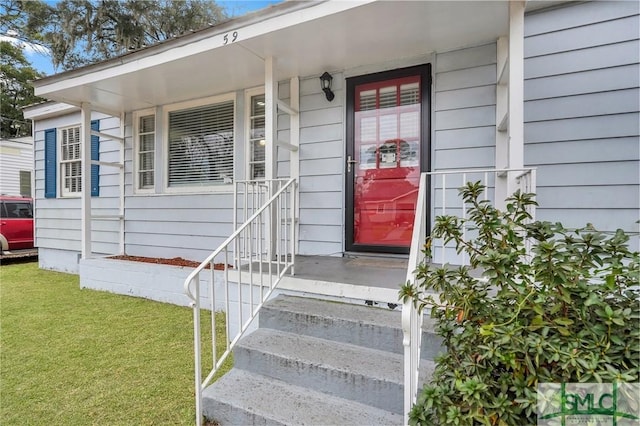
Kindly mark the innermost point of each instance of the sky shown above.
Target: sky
(42, 62)
(240, 7)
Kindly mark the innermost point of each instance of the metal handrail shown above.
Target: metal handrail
(412, 320)
(270, 236)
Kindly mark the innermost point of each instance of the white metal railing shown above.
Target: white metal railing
(439, 190)
(249, 196)
(499, 184)
(264, 246)
(411, 319)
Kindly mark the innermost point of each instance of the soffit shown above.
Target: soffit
(363, 34)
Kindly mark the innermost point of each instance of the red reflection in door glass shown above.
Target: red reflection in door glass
(387, 151)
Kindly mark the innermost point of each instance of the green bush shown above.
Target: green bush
(568, 311)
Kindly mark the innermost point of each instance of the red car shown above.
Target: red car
(16, 223)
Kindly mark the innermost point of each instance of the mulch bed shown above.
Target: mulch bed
(176, 261)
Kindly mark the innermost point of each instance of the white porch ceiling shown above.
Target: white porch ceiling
(329, 36)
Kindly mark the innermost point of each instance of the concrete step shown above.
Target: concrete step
(244, 398)
(317, 362)
(353, 372)
(361, 325)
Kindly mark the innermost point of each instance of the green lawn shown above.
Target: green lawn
(82, 357)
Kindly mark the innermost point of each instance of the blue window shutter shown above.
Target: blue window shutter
(95, 155)
(50, 163)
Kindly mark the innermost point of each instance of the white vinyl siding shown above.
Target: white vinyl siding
(464, 109)
(200, 144)
(321, 153)
(581, 113)
(57, 220)
(70, 161)
(145, 151)
(16, 161)
(189, 221)
(464, 116)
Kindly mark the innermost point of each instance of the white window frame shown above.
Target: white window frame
(248, 94)
(136, 150)
(165, 145)
(64, 192)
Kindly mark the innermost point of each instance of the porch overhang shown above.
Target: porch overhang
(305, 37)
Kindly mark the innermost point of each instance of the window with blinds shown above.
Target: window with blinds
(146, 151)
(201, 145)
(70, 161)
(256, 138)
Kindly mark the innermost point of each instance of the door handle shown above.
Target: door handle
(350, 161)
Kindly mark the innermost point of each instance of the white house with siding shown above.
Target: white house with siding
(16, 166)
(166, 151)
(579, 125)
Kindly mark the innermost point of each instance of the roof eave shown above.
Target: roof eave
(47, 110)
(180, 41)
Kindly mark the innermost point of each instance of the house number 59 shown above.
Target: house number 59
(234, 37)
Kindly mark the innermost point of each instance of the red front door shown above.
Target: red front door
(386, 152)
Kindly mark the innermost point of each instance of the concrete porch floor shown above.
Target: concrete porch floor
(379, 271)
(363, 278)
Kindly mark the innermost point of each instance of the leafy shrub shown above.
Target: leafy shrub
(566, 312)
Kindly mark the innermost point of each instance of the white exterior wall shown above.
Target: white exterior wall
(16, 155)
(464, 109)
(193, 225)
(464, 128)
(582, 120)
(322, 149)
(57, 220)
(189, 225)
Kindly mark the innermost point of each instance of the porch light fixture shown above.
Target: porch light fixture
(325, 83)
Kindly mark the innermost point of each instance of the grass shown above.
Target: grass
(80, 357)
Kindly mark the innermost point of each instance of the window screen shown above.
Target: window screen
(256, 138)
(70, 164)
(201, 145)
(146, 151)
(25, 183)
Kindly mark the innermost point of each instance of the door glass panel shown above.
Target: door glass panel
(388, 126)
(367, 100)
(409, 94)
(387, 150)
(388, 97)
(369, 129)
(410, 124)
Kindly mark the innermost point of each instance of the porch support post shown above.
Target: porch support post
(510, 104)
(516, 90)
(271, 117)
(85, 165)
(502, 120)
(270, 154)
(294, 156)
(122, 181)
